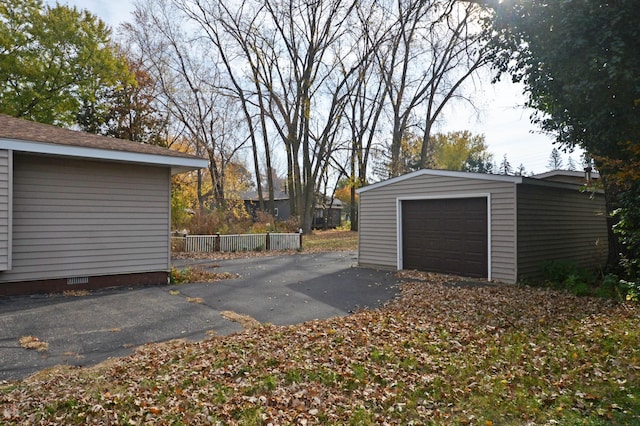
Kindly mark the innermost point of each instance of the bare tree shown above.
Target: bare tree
(305, 103)
(232, 33)
(307, 81)
(190, 88)
(434, 46)
(365, 101)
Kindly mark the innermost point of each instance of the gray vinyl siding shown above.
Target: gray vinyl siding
(5, 209)
(559, 224)
(377, 231)
(377, 245)
(87, 218)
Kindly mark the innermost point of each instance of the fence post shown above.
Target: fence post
(216, 242)
(300, 233)
(267, 244)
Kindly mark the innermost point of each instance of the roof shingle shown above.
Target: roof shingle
(24, 130)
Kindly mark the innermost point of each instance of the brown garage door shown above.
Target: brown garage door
(445, 235)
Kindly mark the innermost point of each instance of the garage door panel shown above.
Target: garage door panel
(446, 235)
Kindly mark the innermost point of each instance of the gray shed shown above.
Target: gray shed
(82, 211)
(501, 228)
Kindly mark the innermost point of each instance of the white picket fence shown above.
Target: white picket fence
(239, 242)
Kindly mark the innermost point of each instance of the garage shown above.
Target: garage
(497, 227)
(446, 235)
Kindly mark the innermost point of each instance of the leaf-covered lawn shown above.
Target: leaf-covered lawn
(440, 354)
(331, 240)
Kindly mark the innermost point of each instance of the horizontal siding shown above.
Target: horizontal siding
(559, 224)
(5, 209)
(377, 227)
(87, 218)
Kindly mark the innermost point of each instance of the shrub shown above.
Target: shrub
(231, 219)
(569, 276)
(344, 226)
(264, 222)
(234, 219)
(586, 282)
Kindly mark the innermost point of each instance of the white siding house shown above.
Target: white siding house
(500, 228)
(82, 211)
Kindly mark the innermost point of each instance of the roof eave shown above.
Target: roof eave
(448, 173)
(178, 164)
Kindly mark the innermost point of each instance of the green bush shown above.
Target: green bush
(630, 290)
(562, 271)
(569, 276)
(586, 282)
(179, 276)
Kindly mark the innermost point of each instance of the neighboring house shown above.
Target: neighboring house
(501, 228)
(328, 215)
(82, 211)
(282, 210)
(331, 215)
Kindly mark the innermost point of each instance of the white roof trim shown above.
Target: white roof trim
(180, 163)
(569, 173)
(447, 173)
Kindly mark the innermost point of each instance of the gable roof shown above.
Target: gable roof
(253, 196)
(27, 136)
(539, 180)
(447, 173)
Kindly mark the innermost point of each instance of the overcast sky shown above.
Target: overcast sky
(502, 117)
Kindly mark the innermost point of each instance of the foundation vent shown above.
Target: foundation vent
(77, 280)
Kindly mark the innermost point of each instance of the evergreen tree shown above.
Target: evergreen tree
(505, 166)
(555, 160)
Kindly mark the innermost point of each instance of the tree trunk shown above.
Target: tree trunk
(424, 150)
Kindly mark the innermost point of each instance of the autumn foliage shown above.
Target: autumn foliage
(447, 351)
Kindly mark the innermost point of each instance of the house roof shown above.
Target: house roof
(27, 136)
(281, 196)
(253, 196)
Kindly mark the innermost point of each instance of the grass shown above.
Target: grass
(332, 240)
(197, 275)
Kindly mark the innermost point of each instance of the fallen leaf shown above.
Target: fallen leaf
(32, 342)
(245, 321)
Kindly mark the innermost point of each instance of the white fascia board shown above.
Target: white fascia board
(446, 173)
(179, 163)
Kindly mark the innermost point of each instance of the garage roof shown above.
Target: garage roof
(447, 173)
(541, 179)
(27, 136)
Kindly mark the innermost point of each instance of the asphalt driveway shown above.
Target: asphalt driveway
(109, 323)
